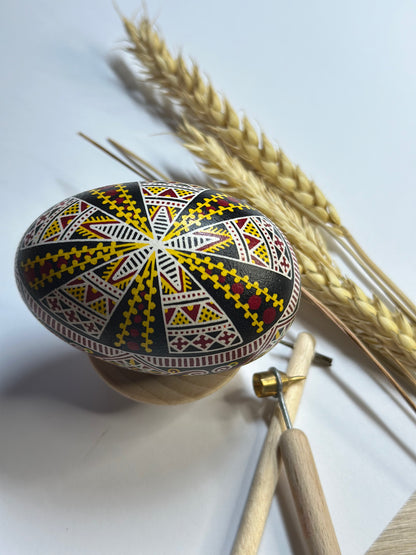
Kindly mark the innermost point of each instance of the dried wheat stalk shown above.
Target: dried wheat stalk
(272, 176)
(214, 113)
(388, 333)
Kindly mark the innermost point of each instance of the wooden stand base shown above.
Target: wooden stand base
(160, 390)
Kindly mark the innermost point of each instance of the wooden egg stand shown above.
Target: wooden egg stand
(160, 390)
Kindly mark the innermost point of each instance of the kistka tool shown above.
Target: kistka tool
(300, 468)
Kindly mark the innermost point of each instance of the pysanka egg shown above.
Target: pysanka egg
(162, 278)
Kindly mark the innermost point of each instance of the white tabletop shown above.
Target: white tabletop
(84, 470)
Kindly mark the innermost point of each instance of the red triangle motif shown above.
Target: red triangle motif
(93, 227)
(241, 223)
(258, 261)
(66, 220)
(168, 193)
(191, 311)
(92, 295)
(77, 281)
(168, 314)
(252, 241)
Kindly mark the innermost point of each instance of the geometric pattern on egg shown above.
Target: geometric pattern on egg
(163, 278)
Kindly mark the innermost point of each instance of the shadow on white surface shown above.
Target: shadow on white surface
(380, 421)
(251, 409)
(57, 414)
(142, 93)
(309, 317)
(69, 379)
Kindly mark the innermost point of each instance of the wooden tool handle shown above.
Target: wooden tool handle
(266, 475)
(308, 494)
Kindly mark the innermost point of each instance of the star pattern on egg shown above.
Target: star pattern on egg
(160, 276)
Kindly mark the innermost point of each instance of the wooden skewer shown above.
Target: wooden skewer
(301, 471)
(267, 472)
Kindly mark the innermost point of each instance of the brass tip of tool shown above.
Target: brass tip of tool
(265, 384)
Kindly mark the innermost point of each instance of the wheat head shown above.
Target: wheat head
(199, 98)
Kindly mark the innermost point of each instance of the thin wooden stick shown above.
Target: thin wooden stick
(267, 472)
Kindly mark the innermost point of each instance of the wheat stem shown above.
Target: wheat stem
(111, 154)
(146, 168)
(341, 325)
(386, 283)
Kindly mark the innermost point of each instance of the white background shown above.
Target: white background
(83, 470)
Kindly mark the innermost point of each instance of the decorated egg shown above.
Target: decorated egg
(163, 278)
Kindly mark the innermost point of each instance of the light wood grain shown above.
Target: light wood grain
(160, 390)
(307, 493)
(267, 472)
(399, 536)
